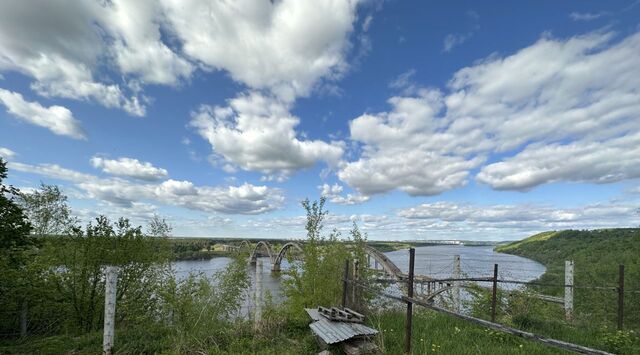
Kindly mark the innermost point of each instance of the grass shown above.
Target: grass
(439, 333)
(432, 333)
(239, 339)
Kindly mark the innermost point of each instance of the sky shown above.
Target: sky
(470, 120)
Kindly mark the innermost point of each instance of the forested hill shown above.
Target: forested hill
(596, 254)
(600, 246)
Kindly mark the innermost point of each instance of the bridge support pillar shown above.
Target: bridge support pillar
(252, 262)
(275, 267)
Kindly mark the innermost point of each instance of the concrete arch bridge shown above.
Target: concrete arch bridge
(426, 287)
(264, 248)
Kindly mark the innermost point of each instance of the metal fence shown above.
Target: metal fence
(351, 283)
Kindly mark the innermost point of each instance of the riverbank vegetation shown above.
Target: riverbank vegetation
(596, 255)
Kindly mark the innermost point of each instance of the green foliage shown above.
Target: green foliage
(159, 227)
(194, 249)
(317, 280)
(199, 311)
(76, 265)
(238, 338)
(47, 211)
(480, 302)
(596, 254)
(14, 226)
(532, 239)
(620, 341)
(15, 249)
(25, 282)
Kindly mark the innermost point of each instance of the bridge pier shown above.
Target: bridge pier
(275, 267)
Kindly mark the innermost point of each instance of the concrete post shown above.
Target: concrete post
(568, 290)
(258, 295)
(110, 288)
(456, 284)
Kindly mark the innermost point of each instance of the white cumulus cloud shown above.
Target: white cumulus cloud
(400, 152)
(137, 45)
(7, 153)
(63, 46)
(284, 46)
(56, 118)
(106, 51)
(129, 167)
(334, 194)
(243, 199)
(557, 110)
(257, 133)
(591, 161)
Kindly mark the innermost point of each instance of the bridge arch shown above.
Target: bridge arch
(264, 246)
(275, 264)
(245, 244)
(387, 265)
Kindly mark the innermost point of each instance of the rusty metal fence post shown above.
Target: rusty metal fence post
(409, 320)
(620, 297)
(354, 290)
(494, 294)
(345, 282)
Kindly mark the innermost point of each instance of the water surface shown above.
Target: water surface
(434, 261)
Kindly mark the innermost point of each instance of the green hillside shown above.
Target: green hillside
(597, 254)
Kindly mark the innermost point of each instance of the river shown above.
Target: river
(434, 261)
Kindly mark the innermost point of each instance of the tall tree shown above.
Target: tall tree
(82, 255)
(14, 242)
(14, 225)
(47, 210)
(158, 227)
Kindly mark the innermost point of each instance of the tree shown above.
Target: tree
(316, 281)
(14, 242)
(14, 225)
(81, 257)
(158, 227)
(47, 210)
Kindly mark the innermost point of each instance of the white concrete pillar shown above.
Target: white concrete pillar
(110, 288)
(568, 290)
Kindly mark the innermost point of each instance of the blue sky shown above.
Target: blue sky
(417, 120)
